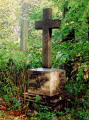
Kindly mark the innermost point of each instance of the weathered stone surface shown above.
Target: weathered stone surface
(48, 82)
(53, 24)
(47, 24)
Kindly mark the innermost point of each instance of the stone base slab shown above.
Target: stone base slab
(56, 102)
(43, 81)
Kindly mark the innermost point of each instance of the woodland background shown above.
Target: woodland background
(69, 54)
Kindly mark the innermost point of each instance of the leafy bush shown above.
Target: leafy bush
(11, 64)
(83, 114)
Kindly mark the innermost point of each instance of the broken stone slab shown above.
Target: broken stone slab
(45, 81)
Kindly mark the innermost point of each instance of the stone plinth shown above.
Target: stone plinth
(44, 81)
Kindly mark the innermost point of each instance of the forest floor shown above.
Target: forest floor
(9, 115)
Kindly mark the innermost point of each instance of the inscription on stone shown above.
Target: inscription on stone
(46, 82)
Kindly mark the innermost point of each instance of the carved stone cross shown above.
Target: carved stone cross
(47, 25)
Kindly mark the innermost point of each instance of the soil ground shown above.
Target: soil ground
(9, 115)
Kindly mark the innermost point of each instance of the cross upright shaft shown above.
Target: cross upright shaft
(47, 25)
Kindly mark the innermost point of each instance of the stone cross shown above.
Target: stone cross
(47, 25)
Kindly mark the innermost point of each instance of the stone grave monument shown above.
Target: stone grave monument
(46, 81)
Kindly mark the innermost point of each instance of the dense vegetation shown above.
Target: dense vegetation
(71, 55)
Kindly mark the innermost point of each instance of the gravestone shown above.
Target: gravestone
(46, 80)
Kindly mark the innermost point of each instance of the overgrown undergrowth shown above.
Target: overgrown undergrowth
(13, 80)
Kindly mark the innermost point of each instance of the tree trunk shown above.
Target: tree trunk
(24, 25)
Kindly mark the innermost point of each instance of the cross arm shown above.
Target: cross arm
(55, 24)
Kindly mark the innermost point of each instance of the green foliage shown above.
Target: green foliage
(38, 98)
(1, 114)
(73, 56)
(6, 90)
(75, 18)
(11, 63)
(45, 113)
(83, 114)
(8, 19)
(35, 56)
